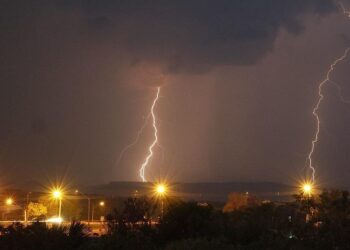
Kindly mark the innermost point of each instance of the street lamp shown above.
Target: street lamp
(9, 201)
(101, 204)
(26, 209)
(307, 189)
(57, 194)
(160, 191)
(89, 203)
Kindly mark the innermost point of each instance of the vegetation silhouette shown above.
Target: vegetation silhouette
(318, 222)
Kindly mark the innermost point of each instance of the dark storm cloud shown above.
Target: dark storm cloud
(192, 35)
(64, 66)
(146, 38)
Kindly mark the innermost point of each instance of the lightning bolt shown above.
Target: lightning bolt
(341, 97)
(155, 141)
(134, 142)
(316, 108)
(321, 84)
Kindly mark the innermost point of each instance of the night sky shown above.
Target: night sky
(239, 81)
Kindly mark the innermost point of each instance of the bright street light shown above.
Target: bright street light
(101, 204)
(161, 189)
(9, 201)
(77, 192)
(57, 194)
(307, 188)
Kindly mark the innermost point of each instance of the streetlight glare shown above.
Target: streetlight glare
(55, 220)
(57, 194)
(9, 201)
(307, 188)
(160, 189)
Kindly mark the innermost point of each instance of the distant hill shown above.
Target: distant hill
(200, 191)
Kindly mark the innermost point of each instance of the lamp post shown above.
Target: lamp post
(57, 194)
(9, 201)
(89, 203)
(307, 191)
(101, 204)
(161, 191)
(26, 209)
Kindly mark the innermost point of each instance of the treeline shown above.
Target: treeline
(320, 222)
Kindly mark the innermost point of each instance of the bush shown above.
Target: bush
(200, 244)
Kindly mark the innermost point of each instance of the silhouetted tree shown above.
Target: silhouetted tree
(136, 210)
(36, 210)
(200, 244)
(189, 220)
(318, 222)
